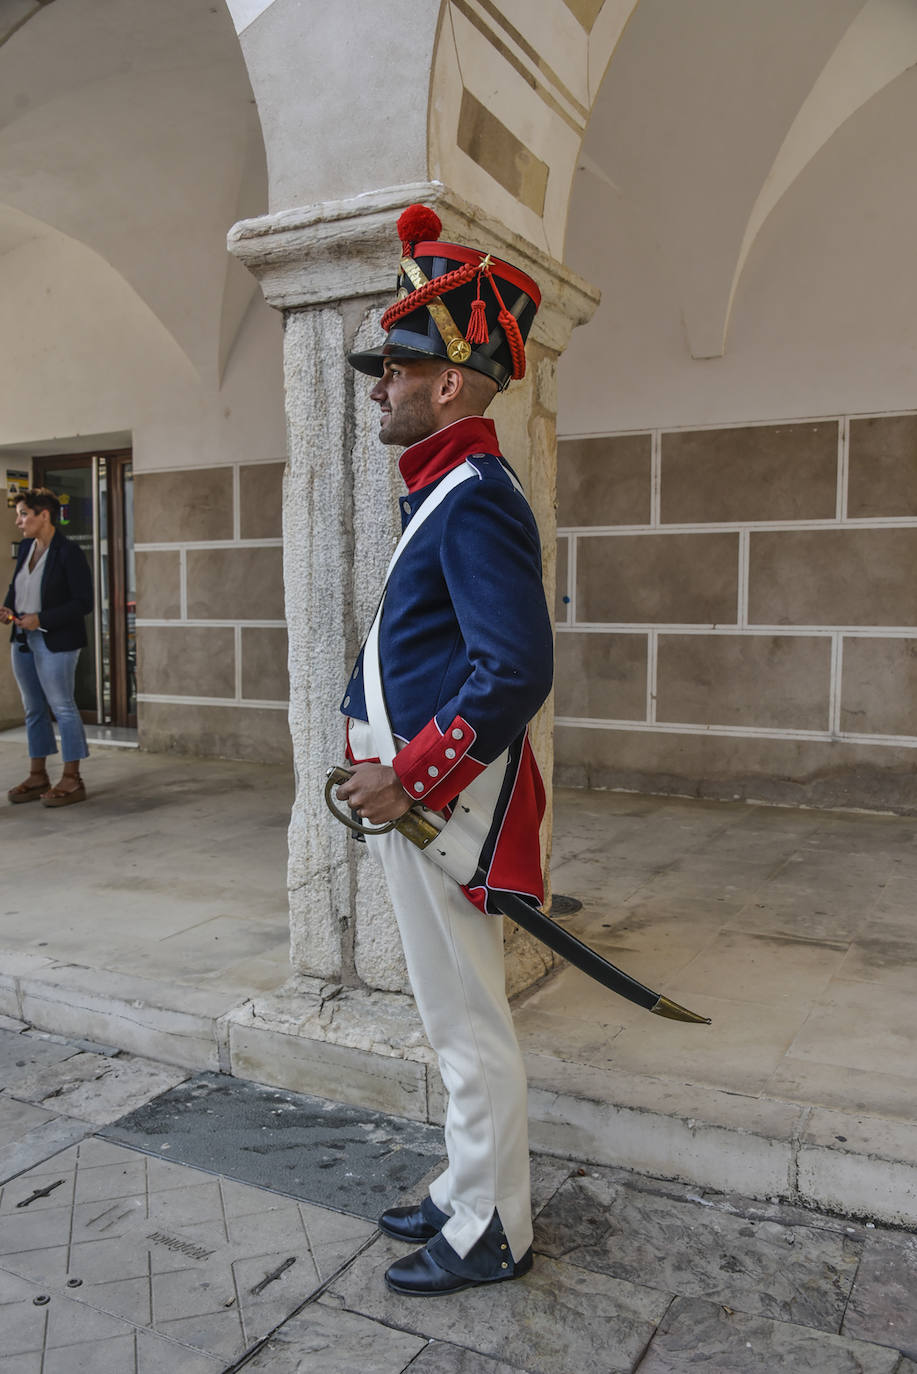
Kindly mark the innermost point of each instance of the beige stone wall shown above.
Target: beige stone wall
(737, 611)
(211, 628)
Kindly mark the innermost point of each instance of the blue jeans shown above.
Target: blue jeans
(45, 682)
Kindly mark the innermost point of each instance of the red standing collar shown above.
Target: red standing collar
(439, 453)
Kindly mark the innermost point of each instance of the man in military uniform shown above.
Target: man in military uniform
(457, 662)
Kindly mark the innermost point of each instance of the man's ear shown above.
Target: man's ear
(451, 383)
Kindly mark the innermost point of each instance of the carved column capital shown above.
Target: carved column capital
(346, 249)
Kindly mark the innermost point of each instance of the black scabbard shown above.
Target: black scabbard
(583, 956)
(418, 829)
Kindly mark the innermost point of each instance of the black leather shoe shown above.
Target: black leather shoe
(424, 1273)
(413, 1223)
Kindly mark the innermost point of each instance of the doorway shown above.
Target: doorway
(96, 492)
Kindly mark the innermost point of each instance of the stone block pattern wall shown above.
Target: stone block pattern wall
(737, 612)
(211, 629)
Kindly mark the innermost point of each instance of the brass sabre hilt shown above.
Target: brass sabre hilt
(413, 825)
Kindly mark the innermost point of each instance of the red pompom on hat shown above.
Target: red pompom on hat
(417, 224)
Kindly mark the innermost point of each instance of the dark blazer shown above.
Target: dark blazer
(66, 593)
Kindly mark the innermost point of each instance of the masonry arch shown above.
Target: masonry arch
(737, 420)
(708, 133)
(129, 143)
(132, 129)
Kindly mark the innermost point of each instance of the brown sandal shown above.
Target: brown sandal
(56, 796)
(24, 793)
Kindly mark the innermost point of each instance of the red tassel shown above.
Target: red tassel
(477, 331)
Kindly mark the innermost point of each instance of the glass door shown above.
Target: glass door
(97, 511)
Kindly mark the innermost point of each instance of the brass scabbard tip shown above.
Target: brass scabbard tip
(673, 1012)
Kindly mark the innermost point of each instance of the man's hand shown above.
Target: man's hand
(375, 793)
(29, 622)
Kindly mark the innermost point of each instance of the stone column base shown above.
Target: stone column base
(355, 1044)
(352, 1045)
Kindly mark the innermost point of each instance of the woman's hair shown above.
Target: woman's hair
(40, 498)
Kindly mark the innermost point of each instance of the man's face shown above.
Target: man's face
(404, 394)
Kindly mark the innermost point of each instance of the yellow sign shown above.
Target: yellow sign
(16, 484)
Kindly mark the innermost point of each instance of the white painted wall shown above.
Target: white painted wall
(342, 92)
(824, 318)
(81, 353)
(131, 127)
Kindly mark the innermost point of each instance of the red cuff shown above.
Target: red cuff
(435, 766)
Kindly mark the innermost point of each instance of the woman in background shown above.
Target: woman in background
(47, 602)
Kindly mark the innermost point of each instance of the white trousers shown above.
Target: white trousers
(454, 955)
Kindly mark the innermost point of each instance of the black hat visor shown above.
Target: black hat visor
(372, 360)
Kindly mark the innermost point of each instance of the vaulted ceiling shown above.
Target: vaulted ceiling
(708, 113)
(131, 128)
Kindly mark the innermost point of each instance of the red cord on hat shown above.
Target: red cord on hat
(435, 287)
(513, 333)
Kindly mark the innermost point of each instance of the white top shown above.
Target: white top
(28, 586)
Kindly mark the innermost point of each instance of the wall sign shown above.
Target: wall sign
(16, 484)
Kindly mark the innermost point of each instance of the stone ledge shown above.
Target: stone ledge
(854, 1165)
(169, 1022)
(664, 1129)
(368, 1049)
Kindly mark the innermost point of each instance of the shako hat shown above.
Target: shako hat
(455, 303)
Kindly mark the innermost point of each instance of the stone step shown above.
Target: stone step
(367, 1049)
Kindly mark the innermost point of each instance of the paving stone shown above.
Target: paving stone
(345, 1157)
(75, 1043)
(550, 1321)
(23, 1324)
(21, 1054)
(786, 1213)
(30, 1134)
(18, 1118)
(156, 1355)
(337, 1342)
(73, 1323)
(94, 1087)
(134, 1353)
(795, 1273)
(67, 1337)
(20, 1364)
(212, 1264)
(702, 1335)
(439, 1358)
(547, 1175)
(882, 1306)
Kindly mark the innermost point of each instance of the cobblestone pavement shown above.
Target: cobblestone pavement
(154, 1222)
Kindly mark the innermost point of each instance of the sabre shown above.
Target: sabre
(415, 827)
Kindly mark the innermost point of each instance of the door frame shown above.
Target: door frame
(116, 461)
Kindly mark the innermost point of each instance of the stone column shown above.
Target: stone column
(331, 269)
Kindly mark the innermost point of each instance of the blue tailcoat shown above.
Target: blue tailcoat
(465, 641)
